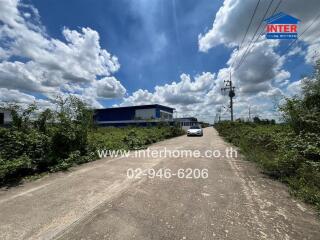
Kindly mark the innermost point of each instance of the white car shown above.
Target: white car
(195, 131)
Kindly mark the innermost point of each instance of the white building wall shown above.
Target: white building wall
(185, 125)
(7, 117)
(145, 113)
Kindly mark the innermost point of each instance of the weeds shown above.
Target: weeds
(50, 141)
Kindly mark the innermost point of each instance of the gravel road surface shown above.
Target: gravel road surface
(98, 201)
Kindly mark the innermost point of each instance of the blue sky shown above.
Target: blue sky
(154, 47)
(172, 52)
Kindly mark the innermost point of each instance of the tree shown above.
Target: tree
(303, 113)
(256, 119)
(21, 117)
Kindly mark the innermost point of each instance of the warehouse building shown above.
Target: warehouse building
(143, 115)
(187, 122)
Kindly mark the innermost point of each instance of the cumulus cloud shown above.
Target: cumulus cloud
(190, 96)
(201, 96)
(256, 69)
(261, 76)
(17, 97)
(233, 17)
(107, 87)
(260, 80)
(52, 65)
(262, 70)
(185, 92)
(294, 88)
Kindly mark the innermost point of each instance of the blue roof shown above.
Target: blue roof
(140, 107)
(282, 18)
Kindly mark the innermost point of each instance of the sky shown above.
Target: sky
(172, 52)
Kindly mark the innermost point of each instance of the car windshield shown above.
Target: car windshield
(195, 127)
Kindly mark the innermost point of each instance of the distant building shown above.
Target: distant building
(5, 117)
(187, 122)
(143, 115)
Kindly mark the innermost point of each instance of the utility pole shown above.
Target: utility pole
(231, 93)
(249, 113)
(218, 115)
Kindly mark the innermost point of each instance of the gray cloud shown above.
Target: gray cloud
(233, 18)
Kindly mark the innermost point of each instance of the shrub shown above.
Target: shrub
(38, 142)
(14, 168)
(56, 140)
(281, 153)
(133, 141)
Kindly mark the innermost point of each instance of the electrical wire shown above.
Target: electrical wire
(264, 16)
(295, 41)
(262, 30)
(248, 27)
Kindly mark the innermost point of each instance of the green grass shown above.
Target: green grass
(280, 153)
(130, 137)
(31, 153)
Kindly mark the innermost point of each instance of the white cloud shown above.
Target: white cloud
(182, 93)
(296, 51)
(8, 95)
(233, 17)
(14, 96)
(140, 97)
(51, 65)
(294, 88)
(190, 96)
(313, 53)
(262, 66)
(261, 77)
(107, 87)
(222, 32)
(18, 75)
(201, 96)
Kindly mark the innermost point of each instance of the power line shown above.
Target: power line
(276, 8)
(249, 25)
(229, 86)
(294, 41)
(251, 41)
(262, 31)
(229, 83)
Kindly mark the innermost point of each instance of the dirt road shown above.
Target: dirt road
(98, 201)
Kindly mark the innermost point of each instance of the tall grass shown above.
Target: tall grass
(56, 140)
(280, 153)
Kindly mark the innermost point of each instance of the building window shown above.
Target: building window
(165, 115)
(187, 124)
(145, 114)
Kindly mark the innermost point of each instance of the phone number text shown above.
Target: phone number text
(188, 173)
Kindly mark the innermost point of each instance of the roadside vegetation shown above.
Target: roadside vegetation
(289, 151)
(48, 141)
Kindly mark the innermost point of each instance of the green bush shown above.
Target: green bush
(281, 153)
(14, 168)
(133, 140)
(130, 137)
(291, 151)
(54, 140)
(57, 140)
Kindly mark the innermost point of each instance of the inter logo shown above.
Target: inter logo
(282, 26)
